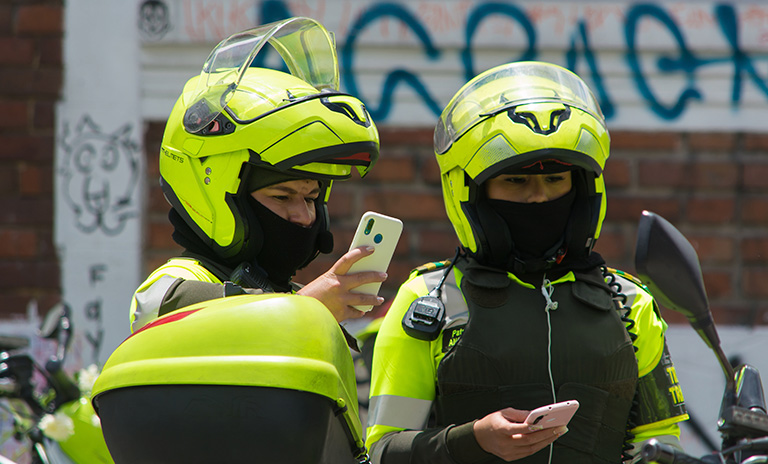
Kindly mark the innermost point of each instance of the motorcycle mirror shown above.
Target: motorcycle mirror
(668, 265)
(51, 324)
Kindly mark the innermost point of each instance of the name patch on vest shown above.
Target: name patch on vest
(452, 336)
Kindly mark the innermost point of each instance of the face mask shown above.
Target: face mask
(286, 246)
(535, 227)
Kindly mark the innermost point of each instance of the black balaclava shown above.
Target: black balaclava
(528, 238)
(285, 248)
(536, 228)
(273, 249)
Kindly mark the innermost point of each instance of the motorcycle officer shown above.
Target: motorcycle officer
(526, 314)
(248, 159)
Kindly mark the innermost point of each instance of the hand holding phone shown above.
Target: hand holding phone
(382, 232)
(552, 415)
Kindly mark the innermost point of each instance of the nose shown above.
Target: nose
(301, 213)
(537, 191)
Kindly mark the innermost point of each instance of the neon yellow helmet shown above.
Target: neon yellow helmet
(235, 120)
(509, 118)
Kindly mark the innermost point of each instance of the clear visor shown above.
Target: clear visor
(306, 47)
(507, 86)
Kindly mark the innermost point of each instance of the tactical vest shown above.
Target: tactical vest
(502, 360)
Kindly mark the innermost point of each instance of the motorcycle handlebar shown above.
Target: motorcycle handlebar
(655, 451)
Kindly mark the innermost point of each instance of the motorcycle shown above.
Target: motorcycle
(49, 411)
(249, 378)
(669, 266)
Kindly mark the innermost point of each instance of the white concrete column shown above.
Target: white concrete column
(99, 175)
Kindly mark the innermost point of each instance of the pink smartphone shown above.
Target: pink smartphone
(552, 415)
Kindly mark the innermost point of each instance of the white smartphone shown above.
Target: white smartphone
(552, 415)
(383, 233)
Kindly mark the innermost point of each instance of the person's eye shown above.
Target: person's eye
(280, 197)
(516, 180)
(310, 200)
(555, 179)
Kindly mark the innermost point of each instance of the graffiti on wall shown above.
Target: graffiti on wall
(98, 174)
(653, 46)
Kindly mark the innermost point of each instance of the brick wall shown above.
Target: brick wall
(30, 84)
(712, 186)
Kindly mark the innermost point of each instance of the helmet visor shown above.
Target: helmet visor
(507, 86)
(306, 47)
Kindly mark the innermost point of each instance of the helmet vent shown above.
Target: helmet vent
(556, 118)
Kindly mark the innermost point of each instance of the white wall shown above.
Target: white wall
(99, 174)
(683, 65)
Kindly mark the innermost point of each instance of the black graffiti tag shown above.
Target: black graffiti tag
(99, 175)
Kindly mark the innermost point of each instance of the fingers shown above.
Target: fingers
(341, 267)
(512, 440)
(514, 415)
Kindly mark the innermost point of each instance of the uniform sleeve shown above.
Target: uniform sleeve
(660, 406)
(163, 289)
(401, 396)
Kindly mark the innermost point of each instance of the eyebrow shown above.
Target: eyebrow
(290, 190)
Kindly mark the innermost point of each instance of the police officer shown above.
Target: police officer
(525, 314)
(248, 159)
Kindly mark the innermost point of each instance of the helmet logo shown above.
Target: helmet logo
(531, 119)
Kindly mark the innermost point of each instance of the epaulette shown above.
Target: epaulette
(629, 277)
(434, 265)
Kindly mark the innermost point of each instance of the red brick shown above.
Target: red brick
(18, 243)
(29, 274)
(15, 301)
(754, 249)
(156, 200)
(44, 117)
(392, 169)
(629, 208)
(438, 244)
(710, 141)
(9, 179)
(756, 176)
(702, 175)
(160, 236)
(340, 203)
(407, 205)
(31, 82)
(753, 281)
(643, 141)
(14, 114)
(34, 180)
(711, 210)
(755, 142)
(617, 173)
(6, 18)
(27, 147)
(26, 211)
(755, 210)
(408, 136)
(657, 173)
(16, 51)
(430, 170)
(718, 284)
(712, 249)
(613, 245)
(51, 52)
(40, 19)
(722, 175)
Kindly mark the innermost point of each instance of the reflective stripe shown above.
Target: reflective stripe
(399, 411)
(149, 300)
(455, 306)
